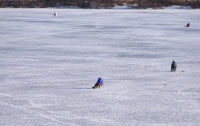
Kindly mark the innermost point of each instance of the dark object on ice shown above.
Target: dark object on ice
(188, 25)
(55, 14)
(99, 83)
(173, 66)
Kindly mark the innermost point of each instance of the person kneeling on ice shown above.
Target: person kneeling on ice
(99, 83)
(173, 66)
(188, 25)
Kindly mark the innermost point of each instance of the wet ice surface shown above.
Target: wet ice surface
(49, 64)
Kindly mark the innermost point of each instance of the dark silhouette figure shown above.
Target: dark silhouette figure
(173, 66)
(188, 25)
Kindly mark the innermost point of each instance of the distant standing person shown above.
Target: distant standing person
(55, 14)
(99, 83)
(173, 66)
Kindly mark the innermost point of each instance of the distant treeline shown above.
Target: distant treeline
(140, 4)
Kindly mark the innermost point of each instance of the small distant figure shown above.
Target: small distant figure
(173, 66)
(99, 83)
(188, 25)
(55, 14)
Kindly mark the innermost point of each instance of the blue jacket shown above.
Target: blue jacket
(100, 80)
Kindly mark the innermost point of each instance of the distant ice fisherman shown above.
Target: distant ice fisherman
(173, 66)
(55, 14)
(188, 25)
(99, 83)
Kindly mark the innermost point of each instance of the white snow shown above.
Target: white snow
(121, 7)
(48, 65)
(178, 7)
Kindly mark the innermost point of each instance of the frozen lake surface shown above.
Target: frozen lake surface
(48, 65)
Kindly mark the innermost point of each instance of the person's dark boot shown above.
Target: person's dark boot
(94, 87)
